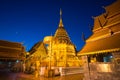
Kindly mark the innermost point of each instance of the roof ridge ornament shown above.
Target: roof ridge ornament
(61, 23)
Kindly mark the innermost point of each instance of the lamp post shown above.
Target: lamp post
(50, 54)
(49, 72)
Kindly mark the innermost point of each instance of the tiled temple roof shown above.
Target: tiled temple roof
(108, 44)
(11, 50)
(106, 32)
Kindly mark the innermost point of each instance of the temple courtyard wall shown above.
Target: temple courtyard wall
(102, 71)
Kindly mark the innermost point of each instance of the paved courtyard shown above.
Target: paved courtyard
(67, 77)
(6, 75)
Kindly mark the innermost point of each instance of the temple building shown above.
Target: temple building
(56, 52)
(61, 51)
(11, 53)
(35, 56)
(101, 52)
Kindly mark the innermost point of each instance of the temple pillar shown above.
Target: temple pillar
(86, 68)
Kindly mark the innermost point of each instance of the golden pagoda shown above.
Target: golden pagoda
(61, 50)
(56, 52)
(101, 52)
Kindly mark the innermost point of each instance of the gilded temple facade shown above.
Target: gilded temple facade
(61, 51)
(56, 52)
(101, 52)
(35, 57)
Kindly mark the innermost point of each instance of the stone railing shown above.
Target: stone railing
(70, 70)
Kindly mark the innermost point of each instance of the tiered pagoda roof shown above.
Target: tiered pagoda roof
(11, 50)
(106, 32)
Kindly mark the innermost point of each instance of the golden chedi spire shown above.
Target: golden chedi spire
(61, 34)
(60, 23)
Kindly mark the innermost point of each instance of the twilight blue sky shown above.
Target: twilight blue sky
(29, 21)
